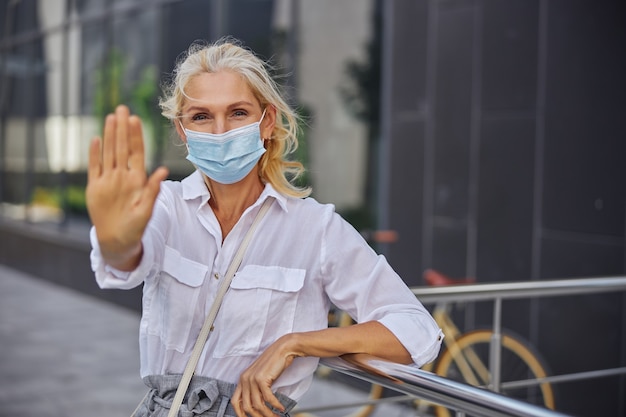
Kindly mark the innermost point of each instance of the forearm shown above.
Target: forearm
(122, 258)
(371, 338)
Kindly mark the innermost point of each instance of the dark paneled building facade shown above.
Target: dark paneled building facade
(503, 135)
(504, 128)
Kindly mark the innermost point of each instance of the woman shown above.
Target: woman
(177, 238)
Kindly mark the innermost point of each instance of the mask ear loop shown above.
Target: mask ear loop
(266, 141)
(185, 131)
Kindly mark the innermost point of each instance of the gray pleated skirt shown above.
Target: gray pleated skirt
(205, 397)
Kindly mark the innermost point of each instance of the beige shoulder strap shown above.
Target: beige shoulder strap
(210, 319)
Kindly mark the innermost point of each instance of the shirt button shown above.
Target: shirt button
(216, 276)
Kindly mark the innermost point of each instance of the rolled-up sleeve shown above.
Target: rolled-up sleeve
(363, 284)
(414, 325)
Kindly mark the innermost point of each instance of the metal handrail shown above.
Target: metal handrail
(417, 383)
(497, 292)
(525, 289)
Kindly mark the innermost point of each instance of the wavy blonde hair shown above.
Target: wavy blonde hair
(228, 54)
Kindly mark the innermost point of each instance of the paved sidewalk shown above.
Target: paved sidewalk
(65, 354)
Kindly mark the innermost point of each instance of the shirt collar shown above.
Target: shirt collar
(194, 187)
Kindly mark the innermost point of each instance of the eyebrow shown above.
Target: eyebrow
(230, 106)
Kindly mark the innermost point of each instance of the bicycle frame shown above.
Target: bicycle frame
(467, 361)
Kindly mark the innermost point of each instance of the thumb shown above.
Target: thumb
(153, 186)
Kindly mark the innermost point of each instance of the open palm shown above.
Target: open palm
(120, 195)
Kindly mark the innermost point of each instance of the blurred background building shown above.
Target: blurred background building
(489, 134)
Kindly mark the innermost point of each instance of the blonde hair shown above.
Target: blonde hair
(227, 54)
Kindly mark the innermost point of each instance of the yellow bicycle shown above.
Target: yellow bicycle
(465, 358)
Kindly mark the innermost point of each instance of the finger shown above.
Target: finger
(269, 397)
(258, 403)
(95, 164)
(108, 147)
(262, 397)
(121, 137)
(159, 175)
(153, 186)
(236, 402)
(247, 402)
(135, 145)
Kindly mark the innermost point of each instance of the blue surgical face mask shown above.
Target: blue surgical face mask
(226, 157)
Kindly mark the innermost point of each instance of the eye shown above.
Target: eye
(198, 117)
(239, 113)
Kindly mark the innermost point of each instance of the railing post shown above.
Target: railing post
(495, 348)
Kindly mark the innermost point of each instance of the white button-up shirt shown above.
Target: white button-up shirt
(302, 258)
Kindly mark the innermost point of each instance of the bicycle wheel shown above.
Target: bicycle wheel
(467, 361)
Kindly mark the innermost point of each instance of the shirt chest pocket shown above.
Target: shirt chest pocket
(175, 300)
(259, 307)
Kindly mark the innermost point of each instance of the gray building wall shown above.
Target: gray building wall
(504, 126)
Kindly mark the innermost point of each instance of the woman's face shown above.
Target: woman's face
(219, 102)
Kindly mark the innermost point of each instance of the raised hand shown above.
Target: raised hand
(120, 196)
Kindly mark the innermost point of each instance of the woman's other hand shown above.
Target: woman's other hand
(254, 391)
(120, 196)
